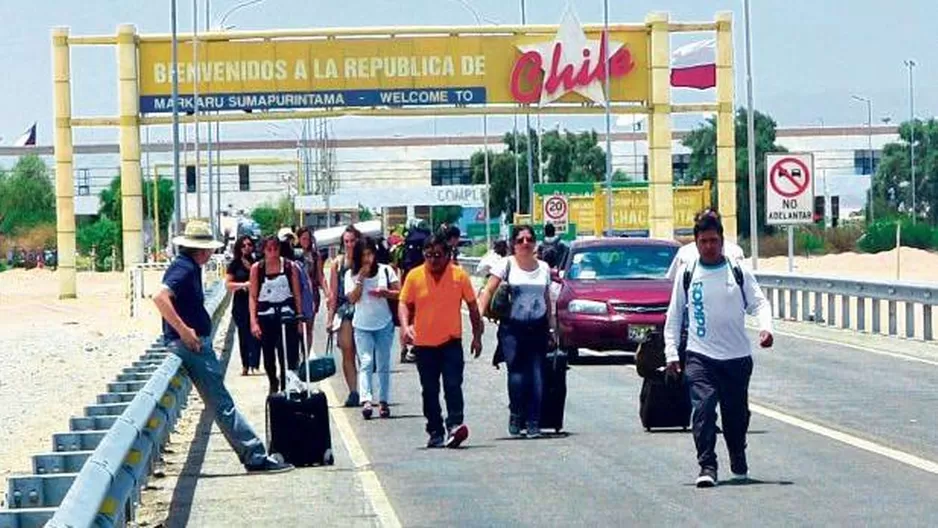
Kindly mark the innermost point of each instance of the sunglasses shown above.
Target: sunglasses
(524, 240)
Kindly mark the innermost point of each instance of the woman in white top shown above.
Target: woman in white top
(369, 286)
(524, 337)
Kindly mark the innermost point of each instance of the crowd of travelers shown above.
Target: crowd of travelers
(414, 286)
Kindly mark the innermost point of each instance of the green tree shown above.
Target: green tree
(27, 198)
(703, 162)
(892, 183)
(111, 204)
(271, 217)
(102, 234)
(568, 157)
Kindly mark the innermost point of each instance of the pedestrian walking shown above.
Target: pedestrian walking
(275, 295)
(238, 280)
(312, 263)
(525, 335)
(341, 312)
(688, 253)
(370, 285)
(553, 250)
(434, 293)
(187, 328)
(713, 295)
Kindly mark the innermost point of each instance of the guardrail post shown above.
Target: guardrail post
(893, 323)
(771, 298)
(926, 322)
(909, 320)
(877, 316)
(861, 314)
(831, 310)
(818, 308)
(805, 305)
(845, 312)
(793, 304)
(781, 303)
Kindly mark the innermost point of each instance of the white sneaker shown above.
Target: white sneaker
(707, 478)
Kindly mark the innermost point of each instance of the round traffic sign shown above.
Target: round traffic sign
(789, 177)
(555, 208)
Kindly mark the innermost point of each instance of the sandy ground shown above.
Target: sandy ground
(915, 265)
(57, 356)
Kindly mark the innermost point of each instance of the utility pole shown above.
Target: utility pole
(910, 64)
(751, 147)
(195, 106)
(177, 180)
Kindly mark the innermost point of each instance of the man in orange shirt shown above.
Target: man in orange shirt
(434, 293)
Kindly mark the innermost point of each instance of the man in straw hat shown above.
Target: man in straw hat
(187, 328)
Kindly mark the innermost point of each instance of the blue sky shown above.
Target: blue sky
(809, 55)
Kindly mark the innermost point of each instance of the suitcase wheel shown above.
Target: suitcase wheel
(648, 429)
(557, 430)
(327, 458)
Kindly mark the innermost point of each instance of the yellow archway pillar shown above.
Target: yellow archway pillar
(64, 176)
(131, 179)
(726, 126)
(660, 180)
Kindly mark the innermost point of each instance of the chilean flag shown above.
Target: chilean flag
(28, 139)
(694, 65)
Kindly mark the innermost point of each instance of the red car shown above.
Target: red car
(613, 293)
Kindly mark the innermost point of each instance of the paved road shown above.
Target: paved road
(607, 470)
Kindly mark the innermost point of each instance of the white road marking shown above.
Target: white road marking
(914, 359)
(853, 441)
(371, 485)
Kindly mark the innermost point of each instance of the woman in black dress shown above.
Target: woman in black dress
(238, 281)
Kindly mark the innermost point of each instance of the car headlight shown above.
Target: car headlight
(587, 307)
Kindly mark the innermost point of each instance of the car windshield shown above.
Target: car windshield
(621, 263)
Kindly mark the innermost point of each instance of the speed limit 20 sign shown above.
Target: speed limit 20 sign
(557, 212)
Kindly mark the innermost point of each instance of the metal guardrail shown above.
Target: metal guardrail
(94, 473)
(850, 304)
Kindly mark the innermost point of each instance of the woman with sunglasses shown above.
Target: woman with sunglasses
(238, 281)
(524, 337)
(341, 312)
(369, 285)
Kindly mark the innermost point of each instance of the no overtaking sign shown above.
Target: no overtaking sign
(789, 189)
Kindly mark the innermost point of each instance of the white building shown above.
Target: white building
(270, 169)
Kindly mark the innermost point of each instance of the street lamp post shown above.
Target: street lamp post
(910, 64)
(869, 129)
(527, 135)
(177, 180)
(751, 146)
(608, 98)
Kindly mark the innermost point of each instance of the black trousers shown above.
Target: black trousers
(433, 363)
(725, 382)
(272, 337)
(248, 345)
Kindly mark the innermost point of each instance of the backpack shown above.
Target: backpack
(413, 249)
(288, 266)
(383, 256)
(553, 253)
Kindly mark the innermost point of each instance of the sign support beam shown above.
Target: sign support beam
(131, 181)
(64, 175)
(726, 128)
(661, 179)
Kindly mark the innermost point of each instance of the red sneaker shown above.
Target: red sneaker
(457, 435)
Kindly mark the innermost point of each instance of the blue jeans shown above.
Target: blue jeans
(206, 374)
(374, 349)
(524, 346)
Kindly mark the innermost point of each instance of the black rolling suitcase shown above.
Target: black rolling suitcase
(298, 422)
(664, 401)
(555, 390)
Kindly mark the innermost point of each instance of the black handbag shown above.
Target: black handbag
(500, 305)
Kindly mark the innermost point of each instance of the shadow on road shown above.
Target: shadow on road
(180, 507)
(606, 359)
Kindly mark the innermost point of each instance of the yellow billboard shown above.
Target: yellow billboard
(398, 71)
(587, 204)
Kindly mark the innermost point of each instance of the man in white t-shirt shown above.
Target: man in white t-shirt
(718, 362)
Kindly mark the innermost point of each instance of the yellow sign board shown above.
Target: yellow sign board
(393, 71)
(630, 209)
